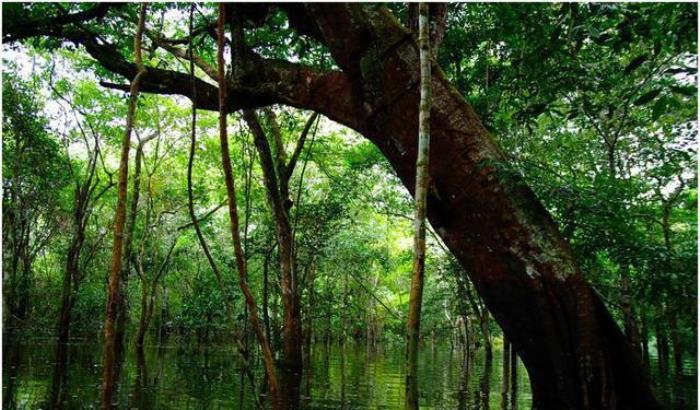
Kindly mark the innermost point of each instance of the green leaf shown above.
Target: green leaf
(688, 90)
(538, 109)
(635, 63)
(601, 39)
(659, 109)
(647, 97)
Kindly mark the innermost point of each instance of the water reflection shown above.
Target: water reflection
(58, 385)
(10, 365)
(349, 376)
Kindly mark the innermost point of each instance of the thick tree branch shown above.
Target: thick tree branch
(21, 27)
(262, 82)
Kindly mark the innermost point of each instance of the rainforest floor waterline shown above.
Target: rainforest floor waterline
(187, 375)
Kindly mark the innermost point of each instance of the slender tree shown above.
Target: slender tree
(277, 173)
(195, 222)
(108, 362)
(233, 216)
(127, 253)
(422, 181)
(86, 193)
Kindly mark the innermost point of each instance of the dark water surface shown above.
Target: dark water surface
(341, 377)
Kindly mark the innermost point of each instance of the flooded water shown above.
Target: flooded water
(208, 377)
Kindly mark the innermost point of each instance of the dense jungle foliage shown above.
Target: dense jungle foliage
(594, 106)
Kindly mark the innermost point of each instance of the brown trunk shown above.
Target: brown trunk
(228, 308)
(277, 174)
(72, 275)
(108, 358)
(276, 183)
(68, 292)
(266, 296)
(58, 382)
(84, 197)
(662, 349)
(485, 385)
(645, 343)
(675, 343)
(148, 315)
(233, 217)
(497, 229)
(631, 330)
(143, 321)
(122, 311)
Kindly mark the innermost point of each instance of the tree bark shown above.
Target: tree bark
(645, 343)
(513, 378)
(506, 369)
(422, 180)
(662, 349)
(122, 311)
(70, 284)
(277, 174)
(108, 358)
(630, 323)
(266, 296)
(276, 183)
(675, 343)
(233, 216)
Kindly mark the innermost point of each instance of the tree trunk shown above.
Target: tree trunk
(485, 384)
(631, 330)
(68, 291)
(513, 378)
(675, 343)
(422, 180)
(233, 217)
(164, 315)
(277, 174)
(491, 221)
(108, 358)
(278, 197)
(23, 305)
(122, 311)
(645, 343)
(148, 301)
(143, 319)
(506, 368)
(662, 349)
(241, 349)
(486, 333)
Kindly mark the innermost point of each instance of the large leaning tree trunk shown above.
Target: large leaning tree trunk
(575, 353)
